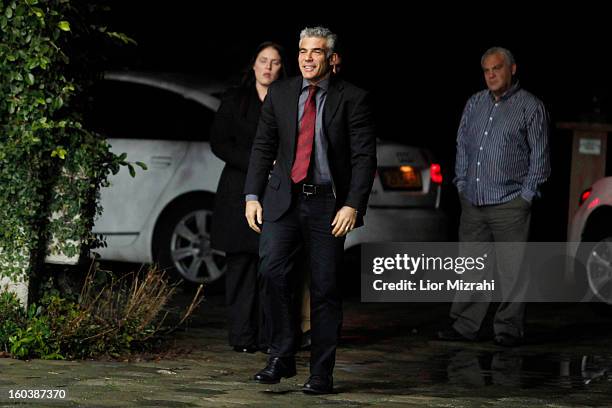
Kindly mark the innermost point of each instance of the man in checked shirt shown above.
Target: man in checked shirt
(502, 159)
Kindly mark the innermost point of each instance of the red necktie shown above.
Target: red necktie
(305, 137)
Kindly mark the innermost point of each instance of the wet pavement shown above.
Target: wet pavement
(387, 359)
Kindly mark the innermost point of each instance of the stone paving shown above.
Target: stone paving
(387, 359)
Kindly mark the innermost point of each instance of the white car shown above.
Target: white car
(404, 203)
(590, 238)
(164, 213)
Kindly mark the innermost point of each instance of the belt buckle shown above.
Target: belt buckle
(309, 189)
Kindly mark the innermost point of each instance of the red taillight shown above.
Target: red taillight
(435, 173)
(593, 203)
(584, 196)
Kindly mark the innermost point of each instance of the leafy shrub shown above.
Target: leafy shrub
(123, 315)
(36, 338)
(51, 167)
(13, 318)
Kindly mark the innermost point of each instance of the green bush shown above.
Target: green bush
(51, 168)
(36, 338)
(116, 318)
(13, 318)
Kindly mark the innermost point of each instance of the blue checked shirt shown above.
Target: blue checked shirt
(502, 147)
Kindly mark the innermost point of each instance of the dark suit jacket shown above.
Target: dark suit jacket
(231, 139)
(349, 127)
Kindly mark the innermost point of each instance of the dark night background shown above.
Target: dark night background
(421, 66)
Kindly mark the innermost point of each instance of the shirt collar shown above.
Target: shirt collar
(511, 91)
(324, 84)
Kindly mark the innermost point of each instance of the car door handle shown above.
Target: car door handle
(161, 161)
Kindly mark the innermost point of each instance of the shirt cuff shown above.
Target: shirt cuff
(251, 197)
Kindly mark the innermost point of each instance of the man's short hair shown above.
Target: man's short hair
(499, 50)
(321, 32)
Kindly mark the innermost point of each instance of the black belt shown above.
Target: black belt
(312, 189)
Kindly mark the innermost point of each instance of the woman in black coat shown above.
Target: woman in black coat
(231, 140)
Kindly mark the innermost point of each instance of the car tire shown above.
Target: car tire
(182, 244)
(596, 260)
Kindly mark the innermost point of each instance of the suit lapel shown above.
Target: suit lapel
(332, 102)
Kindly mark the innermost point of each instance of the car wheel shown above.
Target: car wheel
(597, 258)
(183, 245)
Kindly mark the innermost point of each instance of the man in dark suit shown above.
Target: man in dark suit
(313, 164)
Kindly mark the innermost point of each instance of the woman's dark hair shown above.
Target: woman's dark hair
(248, 78)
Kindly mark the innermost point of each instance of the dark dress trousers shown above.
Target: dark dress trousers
(231, 140)
(293, 221)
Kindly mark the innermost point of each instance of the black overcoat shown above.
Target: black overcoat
(231, 139)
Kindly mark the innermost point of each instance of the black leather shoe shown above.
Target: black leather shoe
(319, 384)
(246, 349)
(451, 334)
(277, 368)
(506, 340)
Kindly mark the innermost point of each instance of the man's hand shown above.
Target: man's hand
(254, 215)
(344, 221)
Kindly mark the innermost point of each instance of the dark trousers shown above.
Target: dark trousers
(243, 299)
(508, 222)
(307, 224)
